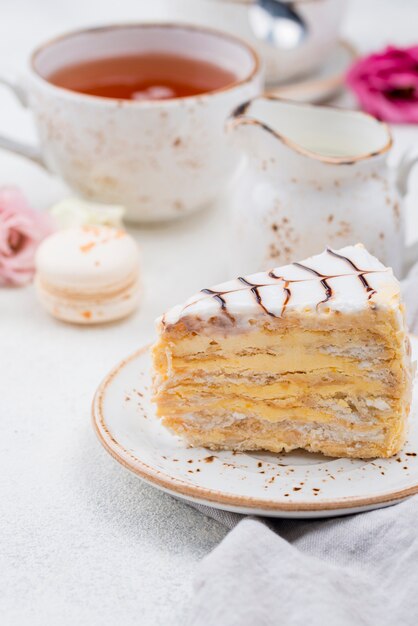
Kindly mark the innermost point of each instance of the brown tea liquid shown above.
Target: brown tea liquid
(151, 76)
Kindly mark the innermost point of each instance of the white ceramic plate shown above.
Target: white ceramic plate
(298, 484)
(322, 85)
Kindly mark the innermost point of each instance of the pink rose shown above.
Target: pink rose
(386, 84)
(21, 230)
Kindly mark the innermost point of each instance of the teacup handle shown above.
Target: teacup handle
(404, 169)
(31, 152)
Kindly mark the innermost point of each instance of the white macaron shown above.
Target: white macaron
(88, 274)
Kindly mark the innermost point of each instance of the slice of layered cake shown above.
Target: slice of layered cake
(311, 355)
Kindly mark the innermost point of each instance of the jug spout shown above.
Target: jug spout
(324, 135)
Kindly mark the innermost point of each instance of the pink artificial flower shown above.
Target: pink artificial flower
(386, 84)
(21, 230)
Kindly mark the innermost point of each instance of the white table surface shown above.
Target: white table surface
(83, 541)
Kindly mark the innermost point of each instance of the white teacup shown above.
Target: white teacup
(160, 159)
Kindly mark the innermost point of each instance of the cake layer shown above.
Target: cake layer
(330, 439)
(346, 414)
(275, 364)
(285, 391)
(339, 339)
(308, 407)
(288, 382)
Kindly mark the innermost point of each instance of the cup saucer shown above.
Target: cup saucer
(323, 84)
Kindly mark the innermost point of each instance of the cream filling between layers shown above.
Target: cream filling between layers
(263, 388)
(332, 412)
(335, 340)
(351, 407)
(276, 364)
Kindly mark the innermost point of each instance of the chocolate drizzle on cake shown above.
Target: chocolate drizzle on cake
(217, 295)
(256, 293)
(360, 273)
(287, 298)
(323, 281)
(259, 286)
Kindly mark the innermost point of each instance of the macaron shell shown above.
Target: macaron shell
(87, 310)
(87, 257)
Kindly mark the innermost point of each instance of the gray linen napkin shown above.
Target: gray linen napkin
(355, 570)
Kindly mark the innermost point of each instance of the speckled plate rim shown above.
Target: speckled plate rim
(178, 487)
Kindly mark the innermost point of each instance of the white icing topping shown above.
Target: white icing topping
(345, 280)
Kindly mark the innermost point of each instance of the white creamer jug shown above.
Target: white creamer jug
(313, 177)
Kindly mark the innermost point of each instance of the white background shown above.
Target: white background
(83, 541)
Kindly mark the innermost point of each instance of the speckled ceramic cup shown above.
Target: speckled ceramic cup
(160, 159)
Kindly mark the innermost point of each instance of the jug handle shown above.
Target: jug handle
(403, 172)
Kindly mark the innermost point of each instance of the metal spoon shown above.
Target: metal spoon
(278, 23)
